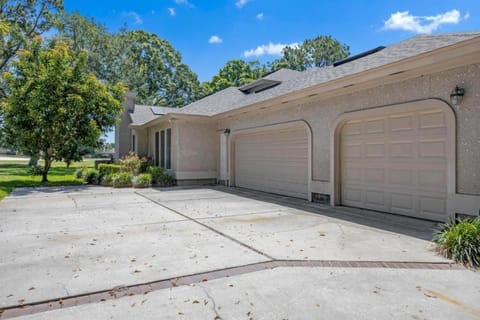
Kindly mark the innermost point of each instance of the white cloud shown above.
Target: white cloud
(273, 49)
(185, 3)
(466, 16)
(215, 39)
(241, 3)
(134, 16)
(421, 24)
(259, 16)
(172, 11)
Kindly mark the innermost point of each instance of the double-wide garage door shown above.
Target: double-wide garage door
(396, 163)
(273, 161)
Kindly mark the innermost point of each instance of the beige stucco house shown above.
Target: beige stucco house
(396, 129)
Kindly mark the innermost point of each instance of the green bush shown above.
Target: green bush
(460, 240)
(106, 169)
(133, 164)
(35, 170)
(166, 180)
(122, 179)
(143, 180)
(79, 173)
(91, 176)
(107, 180)
(156, 173)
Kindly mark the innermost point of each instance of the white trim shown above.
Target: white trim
(404, 107)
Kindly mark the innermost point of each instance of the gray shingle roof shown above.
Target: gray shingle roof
(143, 114)
(232, 98)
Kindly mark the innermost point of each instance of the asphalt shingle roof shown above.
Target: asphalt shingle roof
(143, 114)
(232, 98)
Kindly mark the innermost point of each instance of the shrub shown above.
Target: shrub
(460, 240)
(166, 180)
(107, 180)
(143, 180)
(79, 173)
(122, 179)
(106, 169)
(133, 164)
(91, 176)
(156, 173)
(35, 170)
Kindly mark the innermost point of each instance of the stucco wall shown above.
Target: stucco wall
(321, 114)
(194, 148)
(198, 150)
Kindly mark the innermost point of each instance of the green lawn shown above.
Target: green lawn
(14, 174)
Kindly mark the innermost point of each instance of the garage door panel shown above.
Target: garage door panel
(396, 163)
(404, 122)
(273, 161)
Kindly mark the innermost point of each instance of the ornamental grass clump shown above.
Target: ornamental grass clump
(460, 240)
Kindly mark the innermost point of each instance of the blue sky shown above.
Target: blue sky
(209, 33)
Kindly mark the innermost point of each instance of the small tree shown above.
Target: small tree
(55, 107)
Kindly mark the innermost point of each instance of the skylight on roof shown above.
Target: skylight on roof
(259, 85)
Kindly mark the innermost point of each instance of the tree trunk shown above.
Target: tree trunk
(48, 163)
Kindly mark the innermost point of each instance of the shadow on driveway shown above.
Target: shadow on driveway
(414, 227)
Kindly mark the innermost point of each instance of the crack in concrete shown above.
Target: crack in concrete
(140, 288)
(74, 201)
(214, 305)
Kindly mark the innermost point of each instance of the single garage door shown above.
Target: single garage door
(396, 163)
(273, 161)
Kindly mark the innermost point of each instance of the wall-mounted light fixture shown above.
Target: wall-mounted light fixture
(226, 132)
(456, 97)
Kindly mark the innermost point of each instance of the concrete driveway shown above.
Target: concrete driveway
(218, 253)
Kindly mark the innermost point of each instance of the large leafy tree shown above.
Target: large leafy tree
(235, 73)
(319, 52)
(20, 22)
(55, 107)
(153, 68)
(85, 34)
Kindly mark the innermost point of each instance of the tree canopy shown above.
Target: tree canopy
(320, 52)
(20, 22)
(55, 107)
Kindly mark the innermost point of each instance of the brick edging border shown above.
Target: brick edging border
(145, 288)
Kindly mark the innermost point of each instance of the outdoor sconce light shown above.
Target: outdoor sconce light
(456, 96)
(226, 132)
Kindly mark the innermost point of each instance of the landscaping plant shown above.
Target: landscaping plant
(143, 180)
(122, 179)
(460, 240)
(91, 176)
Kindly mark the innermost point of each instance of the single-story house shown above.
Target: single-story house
(395, 129)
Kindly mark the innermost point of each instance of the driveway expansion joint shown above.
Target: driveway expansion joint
(207, 226)
(199, 278)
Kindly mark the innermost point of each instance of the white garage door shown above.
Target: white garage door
(273, 161)
(396, 163)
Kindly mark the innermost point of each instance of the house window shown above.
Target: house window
(162, 148)
(168, 147)
(157, 148)
(133, 143)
